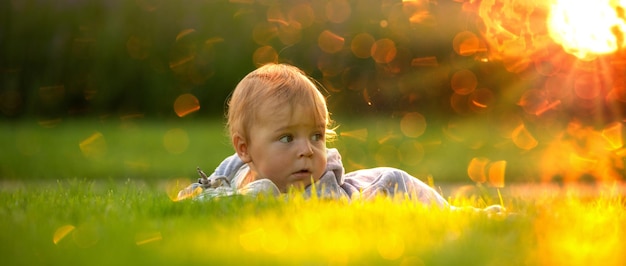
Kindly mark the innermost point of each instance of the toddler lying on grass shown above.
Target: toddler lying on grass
(278, 123)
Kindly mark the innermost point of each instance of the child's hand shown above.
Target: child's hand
(212, 182)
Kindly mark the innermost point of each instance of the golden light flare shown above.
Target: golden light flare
(519, 32)
(186, 104)
(411, 152)
(515, 55)
(290, 33)
(497, 170)
(464, 82)
(587, 29)
(418, 11)
(482, 100)
(588, 86)
(413, 124)
(523, 139)
(476, 169)
(143, 238)
(481, 170)
(357, 134)
(191, 58)
(361, 45)
(459, 103)
(138, 47)
(338, 11)
(275, 14)
(263, 33)
(302, 13)
(62, 232)
(584, 151)
(535, 102)
(428, 61)
(176, 141)
(264, 55)
(94, 146)
(172, 188)
(184, 33)
(466, 43)
(384, 51)
(330, 42)
(613, 134)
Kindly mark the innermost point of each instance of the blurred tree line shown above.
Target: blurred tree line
(117, 57)
(76, 58)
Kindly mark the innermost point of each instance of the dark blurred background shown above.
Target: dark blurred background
(78, 57)
(447, 84)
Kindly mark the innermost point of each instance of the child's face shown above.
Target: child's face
(288, 146)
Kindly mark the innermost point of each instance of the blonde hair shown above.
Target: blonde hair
(274, 85)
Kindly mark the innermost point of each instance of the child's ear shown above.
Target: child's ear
(241, 147)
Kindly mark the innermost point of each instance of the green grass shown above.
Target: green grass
(111, 148)
(78, 222)
(100, 193)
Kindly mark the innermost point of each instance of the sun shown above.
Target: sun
(587, 28)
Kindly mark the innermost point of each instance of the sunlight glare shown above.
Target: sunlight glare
(613, 134)
(186, 104)
(147, 237)
(361, 45)
(476, 169)
(384, 51)
(429, 61)
(523, 139)
(413, 124)
(94, 146)
(338, 11)
(587, 28)
(330, 42)
(62, 232)
(466, 43)
(496, 173)
(263, 55)
(357, 134)
(464, 82)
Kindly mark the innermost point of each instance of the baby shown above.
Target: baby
(278, 123)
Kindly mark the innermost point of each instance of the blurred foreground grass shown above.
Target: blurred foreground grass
(99, 193)
(78, 222)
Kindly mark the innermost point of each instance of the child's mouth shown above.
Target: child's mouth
(302, 173)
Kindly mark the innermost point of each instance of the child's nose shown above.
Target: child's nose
(306, 150)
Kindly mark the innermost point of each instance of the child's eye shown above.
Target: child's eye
(318, 137)
(286, 139)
